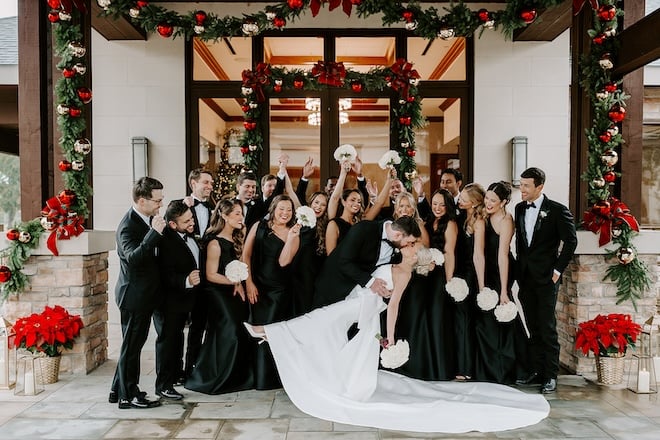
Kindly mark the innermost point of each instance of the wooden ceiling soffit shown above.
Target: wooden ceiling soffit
(549, 24)
(455, 51)
(119, 29)
(211, 62)
(639, 44)
(295, 60)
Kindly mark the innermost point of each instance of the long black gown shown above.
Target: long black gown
(306, 266)
(496, 358)
(464, 311)
(224, 363)
(275, 302)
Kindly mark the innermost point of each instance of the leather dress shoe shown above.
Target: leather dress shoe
(549, 386)
(113, 397)
(170, 393)
(530, 380)
(138, 403)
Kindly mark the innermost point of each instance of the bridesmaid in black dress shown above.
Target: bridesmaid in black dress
(496, 358)
(270, 247)
(224, 363)
(350, 212)
(471, 200)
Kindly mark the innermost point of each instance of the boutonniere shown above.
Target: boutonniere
(543, 214)
(197, 238)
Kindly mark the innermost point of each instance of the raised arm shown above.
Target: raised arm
(333, 203)
(400, 278)
(383, 195)
(291, 246)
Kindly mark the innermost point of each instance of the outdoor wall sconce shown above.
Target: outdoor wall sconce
(519, 158)
(140, 146)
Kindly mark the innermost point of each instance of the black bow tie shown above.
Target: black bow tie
(530, 205)
(206, 204)
(390, 244)
(186, 236)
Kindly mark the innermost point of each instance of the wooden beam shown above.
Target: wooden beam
(549, 24)
(455, 51)
(639, 41)
(115, 29)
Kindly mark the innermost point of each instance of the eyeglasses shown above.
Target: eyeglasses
(156, 201)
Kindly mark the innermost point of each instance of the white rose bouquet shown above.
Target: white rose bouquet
(395, 355)
(506, 312)
(389, 159)
(437, 256)
(345, 152)
(457, 288)
(305, 216)
(236, 271)
(487, 299)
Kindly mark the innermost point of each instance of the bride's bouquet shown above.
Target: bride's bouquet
(457, 288)
(306, 216)
(389, 159)
(236, 271)
(395, 355)
(506, 312)
(437, 256)
(345, 153)
(487, 299)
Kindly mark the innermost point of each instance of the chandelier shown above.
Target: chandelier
(314, 106)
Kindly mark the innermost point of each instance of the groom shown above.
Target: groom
(541, 226)
(367, 245)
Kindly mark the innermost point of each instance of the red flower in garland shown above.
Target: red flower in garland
(48, 332)
(606, 335)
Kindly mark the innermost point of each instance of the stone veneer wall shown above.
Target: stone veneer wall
(584, 294)
(78, 281)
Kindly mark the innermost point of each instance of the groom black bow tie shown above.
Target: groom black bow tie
(205, 203)
(530, 205)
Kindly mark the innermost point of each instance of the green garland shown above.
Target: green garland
(15, 255)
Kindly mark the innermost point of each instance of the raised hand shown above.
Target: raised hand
(158, 223)
(308, 168)
(357, 166)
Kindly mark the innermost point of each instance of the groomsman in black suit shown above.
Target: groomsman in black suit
(137, 291)
(201, 185)
(255, 208)
(367, 245)
(542, 225)
(180, 275)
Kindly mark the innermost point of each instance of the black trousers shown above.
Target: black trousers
(198, 321)
(539, 302)
(134, 330)
(169, 346)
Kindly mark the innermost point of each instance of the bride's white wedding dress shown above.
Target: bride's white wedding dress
(330, 377)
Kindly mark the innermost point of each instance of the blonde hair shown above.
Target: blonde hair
(424, 261)
(476, 193)
(411, 201)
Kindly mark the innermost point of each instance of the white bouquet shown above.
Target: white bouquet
(457, 288)
(437, 256)
(236, 271)
(487, 299)
(393, 356)
(389, 159)
(306, 216)
(506, 312)
(345, 152)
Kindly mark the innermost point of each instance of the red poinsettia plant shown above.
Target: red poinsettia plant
(607, 335)
(48, 332)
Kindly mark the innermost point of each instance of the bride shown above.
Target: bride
(328, 376)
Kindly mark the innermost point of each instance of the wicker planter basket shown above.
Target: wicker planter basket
(610, 369)
(49, 369)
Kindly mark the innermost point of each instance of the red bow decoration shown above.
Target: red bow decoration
(329, 73)
(67, 5)
(579, 4)
(346, 6)
(257, 80)
(65, 224)
(403, 73)
(605, 214)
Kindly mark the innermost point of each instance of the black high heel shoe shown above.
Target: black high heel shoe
(254, 334)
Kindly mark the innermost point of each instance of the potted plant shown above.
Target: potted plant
(46, 334)
(608, 337)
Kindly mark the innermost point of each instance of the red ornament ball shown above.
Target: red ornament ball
(599, 39)
(405, 120)
(64, 165)
(483, 15)
(277, 88)
(357, 86)
(66, 197)
(616, 113)
(298, 83)
(408, 15)
(12, 234)
(54, 4)
(142, 4)
(605, 137)
(528, 15)
(245, 149)
(611, 87)
(279, 22)
(245, 107)
(200, 17)
(295, 4)
(602, 207)
(607, 12)
(53, 16)
(250, 124)
(5, 274)
(84, 94)
(68, 73)
(75, 112)
(356, 2)
(165, 30)
(410, 98)
(410, 152)
(610, 177)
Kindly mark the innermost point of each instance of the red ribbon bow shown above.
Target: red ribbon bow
(346, 5)
(403, 73)
(329, 73)
(579, 4)
(605, 214)
(257, 80)
(65, 224)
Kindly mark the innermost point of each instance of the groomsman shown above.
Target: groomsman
(137, 288)
(367, 245)
(451, 179)
(180, 275)
(255, 208)
(542, 225)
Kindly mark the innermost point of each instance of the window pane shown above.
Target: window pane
(221, 60)
(364, 53)
(442, 60)
(438, 143)
(10, 191)
(293, 52)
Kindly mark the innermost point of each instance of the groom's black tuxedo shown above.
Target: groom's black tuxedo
(536, 263)
(350, 264)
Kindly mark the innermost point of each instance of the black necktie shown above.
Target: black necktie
(530, 205)
(205, 203)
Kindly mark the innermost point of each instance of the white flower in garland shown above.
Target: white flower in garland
(457, 288)
(395, 355)
(437, 256)
(487, 299)
(389, 159)
(306, 216)
(236, 271)
(345, 152)
(506, 312)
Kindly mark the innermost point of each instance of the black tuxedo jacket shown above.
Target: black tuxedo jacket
(350, 264)
(197, 231)
(554, 225)
(137, 287)
(176, 262)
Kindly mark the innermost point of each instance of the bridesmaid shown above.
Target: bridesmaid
(270, 247)
(496, 359)
(224, 363)
(471, 199)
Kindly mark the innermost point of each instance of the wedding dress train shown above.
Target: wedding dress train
(328, 376)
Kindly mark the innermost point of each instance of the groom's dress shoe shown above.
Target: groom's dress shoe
(138, 403)
(549, 386)
(170, 393)
(113, 397)
(530, 380)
